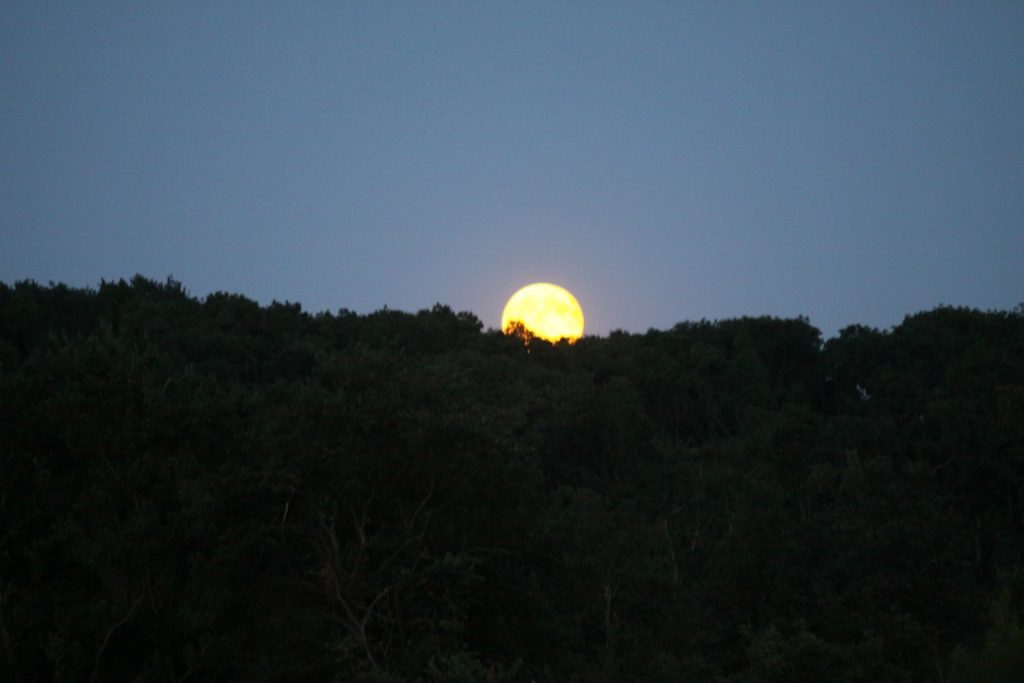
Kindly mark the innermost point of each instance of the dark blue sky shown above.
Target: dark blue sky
(852, 162)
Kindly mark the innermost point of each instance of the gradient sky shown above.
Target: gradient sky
(852, 162)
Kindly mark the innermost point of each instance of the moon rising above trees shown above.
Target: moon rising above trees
(544, 310)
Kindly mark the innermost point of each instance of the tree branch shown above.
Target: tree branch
(110, 632)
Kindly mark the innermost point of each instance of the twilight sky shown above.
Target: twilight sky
(852, 162)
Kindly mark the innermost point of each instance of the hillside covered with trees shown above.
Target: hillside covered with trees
(211, 490)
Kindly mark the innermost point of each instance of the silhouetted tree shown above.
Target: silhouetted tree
(210, 489)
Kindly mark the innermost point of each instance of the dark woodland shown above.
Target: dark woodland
(206, 489)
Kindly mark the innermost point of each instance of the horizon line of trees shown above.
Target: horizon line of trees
(217, 490)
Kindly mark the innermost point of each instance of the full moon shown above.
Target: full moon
(547, 311)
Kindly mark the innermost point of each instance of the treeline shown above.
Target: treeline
(211, 490)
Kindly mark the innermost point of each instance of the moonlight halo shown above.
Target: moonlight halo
(546, 310)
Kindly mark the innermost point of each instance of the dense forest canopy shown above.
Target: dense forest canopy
(212, 490)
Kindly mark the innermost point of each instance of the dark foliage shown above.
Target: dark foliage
(211, 490)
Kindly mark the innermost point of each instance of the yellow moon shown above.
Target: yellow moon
(547, 311)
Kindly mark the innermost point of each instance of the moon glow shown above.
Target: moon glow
(547, 311)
